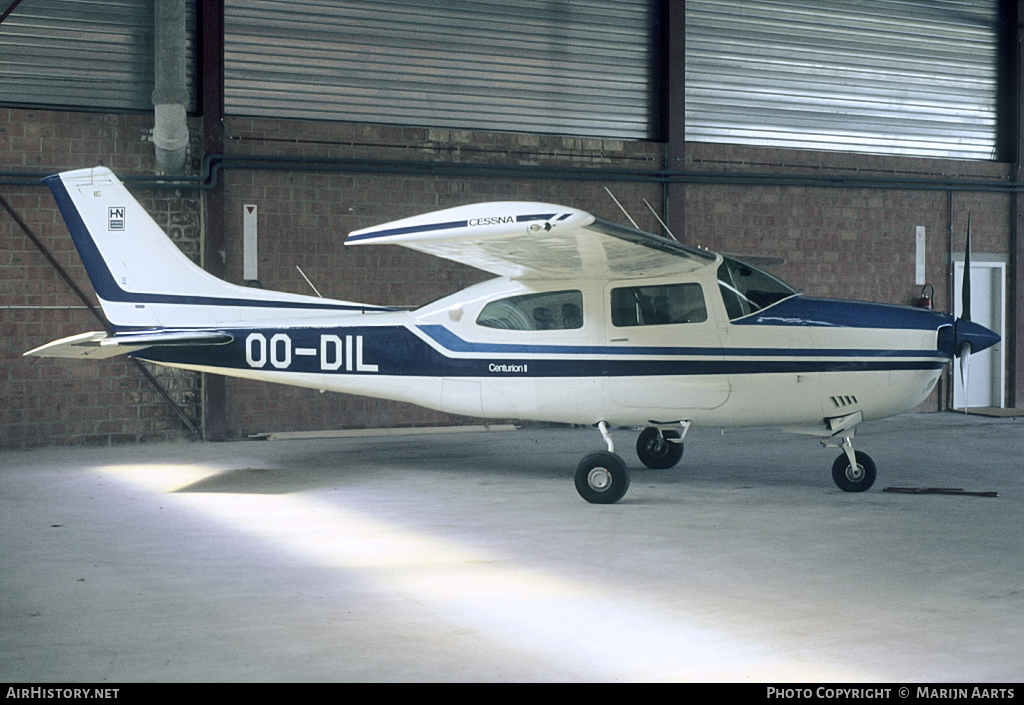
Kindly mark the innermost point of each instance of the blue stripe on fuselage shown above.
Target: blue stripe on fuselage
(397, 350)
(450, 341)
(806, 311)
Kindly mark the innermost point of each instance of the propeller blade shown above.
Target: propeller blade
(965, 288)
(964, 353)
(965, 369)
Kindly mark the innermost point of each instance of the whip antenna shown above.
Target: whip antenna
(620, 207)
(308, 281)
(655, 214)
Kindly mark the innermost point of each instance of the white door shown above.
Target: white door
(985, 376)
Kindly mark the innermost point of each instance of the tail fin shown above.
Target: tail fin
(143, 280)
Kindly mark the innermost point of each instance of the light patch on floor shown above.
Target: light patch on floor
(589, 629)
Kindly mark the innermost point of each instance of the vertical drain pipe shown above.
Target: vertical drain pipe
(170, 95)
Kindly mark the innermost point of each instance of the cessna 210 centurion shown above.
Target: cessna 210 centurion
(588, 322)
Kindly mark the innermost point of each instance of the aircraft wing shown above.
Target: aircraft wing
(97, 345)
(537, 241)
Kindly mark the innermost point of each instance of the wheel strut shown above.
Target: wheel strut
(603, 428)
(847, 446)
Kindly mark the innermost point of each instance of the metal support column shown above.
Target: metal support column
(673, 68)
(1013, 35)
(211, 21)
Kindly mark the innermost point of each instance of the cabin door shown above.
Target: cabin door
(664, 348)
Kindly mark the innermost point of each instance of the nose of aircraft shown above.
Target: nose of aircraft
(953, 338)
(978, 336)
(953, 333)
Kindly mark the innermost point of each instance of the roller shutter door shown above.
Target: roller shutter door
(876, 76)
(577, 67)
(82, 54)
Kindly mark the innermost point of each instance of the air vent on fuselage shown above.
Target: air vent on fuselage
(844, 401)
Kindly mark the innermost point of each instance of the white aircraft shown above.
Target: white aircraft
(588, 322)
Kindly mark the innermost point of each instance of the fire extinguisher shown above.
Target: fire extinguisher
(925, 301)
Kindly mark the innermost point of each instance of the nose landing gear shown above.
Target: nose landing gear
(853, 471)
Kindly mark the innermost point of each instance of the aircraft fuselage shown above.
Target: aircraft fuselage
(796, 362)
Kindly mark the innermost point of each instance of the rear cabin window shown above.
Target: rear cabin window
(658, 305)
(552, 310)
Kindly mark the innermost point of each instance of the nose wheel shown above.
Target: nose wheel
(854, 477)
(853, 471)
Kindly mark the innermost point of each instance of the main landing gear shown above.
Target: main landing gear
(603, 478)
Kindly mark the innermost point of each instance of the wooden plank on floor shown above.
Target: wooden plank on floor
(369, 432)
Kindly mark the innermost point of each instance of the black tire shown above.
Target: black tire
(656, 451)
(854, 480)
(602, 478)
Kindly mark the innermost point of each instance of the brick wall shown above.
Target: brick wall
(845, 242)
(50, 401)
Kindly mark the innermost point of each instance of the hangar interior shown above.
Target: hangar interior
(847, 143)
(851, 143)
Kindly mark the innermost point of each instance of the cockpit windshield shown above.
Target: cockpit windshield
(746, 289)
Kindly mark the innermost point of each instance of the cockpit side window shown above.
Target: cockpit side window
(552, 310)
(746, 289)
(658, 305)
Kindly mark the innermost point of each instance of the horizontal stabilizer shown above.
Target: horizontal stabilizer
(76, 346)
(98, 345)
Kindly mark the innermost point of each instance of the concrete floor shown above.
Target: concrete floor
(470, 557)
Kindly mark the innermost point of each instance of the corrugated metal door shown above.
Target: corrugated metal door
(577, 67)
(83, 54)
(913, 78)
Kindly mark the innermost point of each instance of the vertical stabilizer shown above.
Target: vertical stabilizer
(141, 277)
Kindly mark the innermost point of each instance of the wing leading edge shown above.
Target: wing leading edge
(525, 240)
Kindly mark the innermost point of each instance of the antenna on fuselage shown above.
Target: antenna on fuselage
(309, 282)
(655, 214)
(621, 208)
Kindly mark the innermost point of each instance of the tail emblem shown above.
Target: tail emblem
(115, 218)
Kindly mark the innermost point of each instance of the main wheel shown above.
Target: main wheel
(854, 479)
(656, 450)
(602, 478)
